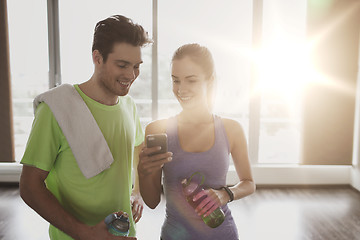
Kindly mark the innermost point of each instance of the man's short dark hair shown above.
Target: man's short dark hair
(118, 29)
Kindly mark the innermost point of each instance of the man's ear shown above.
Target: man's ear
(97, 57)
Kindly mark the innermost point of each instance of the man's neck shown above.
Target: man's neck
(94, 90)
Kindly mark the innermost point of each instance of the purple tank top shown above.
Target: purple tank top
(181, 220)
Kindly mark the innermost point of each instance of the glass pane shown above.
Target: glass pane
(76, 36)
(210, 23)
(282, 69)
(28, 40)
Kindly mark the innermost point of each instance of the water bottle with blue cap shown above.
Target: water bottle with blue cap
(118, 223)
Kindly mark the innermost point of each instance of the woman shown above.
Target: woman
(198, 141)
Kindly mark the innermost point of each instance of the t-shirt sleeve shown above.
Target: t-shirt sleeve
(44, 140)
(139, 134)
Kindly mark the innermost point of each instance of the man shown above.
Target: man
(58, 185)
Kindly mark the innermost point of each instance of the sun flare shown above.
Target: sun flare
(283, 69)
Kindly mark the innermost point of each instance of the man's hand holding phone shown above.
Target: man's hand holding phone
(154, 155)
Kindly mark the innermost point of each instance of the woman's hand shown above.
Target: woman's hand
(137, 205)
(214, 199)
(149, 163)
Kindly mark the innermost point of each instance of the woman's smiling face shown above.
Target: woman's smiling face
(190, 85)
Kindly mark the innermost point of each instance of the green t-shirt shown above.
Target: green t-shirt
(89, 200)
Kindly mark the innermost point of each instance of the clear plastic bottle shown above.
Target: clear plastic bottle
(190, 189)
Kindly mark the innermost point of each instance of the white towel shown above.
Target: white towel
(78, 125)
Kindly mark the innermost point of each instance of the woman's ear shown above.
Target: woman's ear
(211, 82)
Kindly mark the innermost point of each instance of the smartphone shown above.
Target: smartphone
(154, 140)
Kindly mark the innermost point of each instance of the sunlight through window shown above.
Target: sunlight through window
(282, 64)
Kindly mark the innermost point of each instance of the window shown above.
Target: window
(28, 63)
(281, 75)
(226, 29)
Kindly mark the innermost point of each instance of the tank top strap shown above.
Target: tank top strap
(171, 125)
(220, 133)
(171, 131)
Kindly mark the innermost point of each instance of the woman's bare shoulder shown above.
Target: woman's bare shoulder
(157, 126)
(231, 124)
(233, 130)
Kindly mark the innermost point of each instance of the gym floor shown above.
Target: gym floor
(281, 213)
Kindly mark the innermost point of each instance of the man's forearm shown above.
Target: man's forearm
(34, 192)
(48, 207)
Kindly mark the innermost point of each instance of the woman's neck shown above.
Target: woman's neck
(196, 117)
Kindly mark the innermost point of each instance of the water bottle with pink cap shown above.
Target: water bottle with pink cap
(190, 189)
